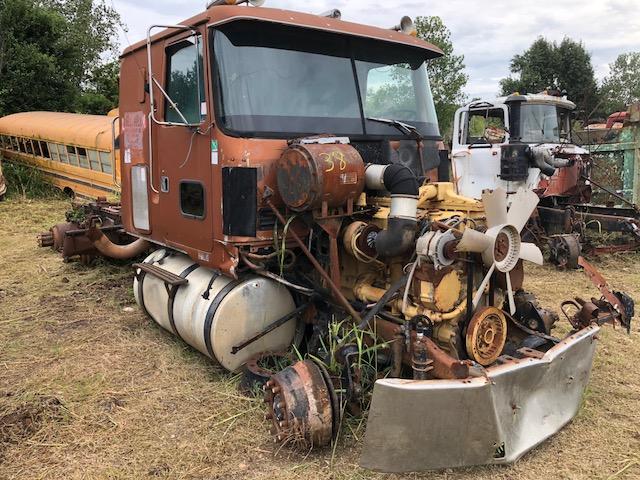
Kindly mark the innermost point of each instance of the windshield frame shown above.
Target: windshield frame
(391, 134)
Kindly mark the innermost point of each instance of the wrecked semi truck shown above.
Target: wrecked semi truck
(527, 141)
(282, 167)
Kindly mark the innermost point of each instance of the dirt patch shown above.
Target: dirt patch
(24, 421)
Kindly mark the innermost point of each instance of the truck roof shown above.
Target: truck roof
(538, 98)
(221, 14)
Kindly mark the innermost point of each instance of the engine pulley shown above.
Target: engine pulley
(486, 335)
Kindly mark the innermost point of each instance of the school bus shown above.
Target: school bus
(77, 153)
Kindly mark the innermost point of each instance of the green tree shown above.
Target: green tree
(48, 50)
(622, 86)
(100, 93)
(446, 74)
(546, 64)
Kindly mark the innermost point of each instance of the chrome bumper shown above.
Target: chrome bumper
(419, 425)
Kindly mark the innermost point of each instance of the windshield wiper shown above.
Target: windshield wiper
(408, 130)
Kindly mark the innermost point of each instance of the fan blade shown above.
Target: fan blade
(531, 253)
(474, 241)
(483, 285)
(523, 203)
(512, 302)
(495, 207)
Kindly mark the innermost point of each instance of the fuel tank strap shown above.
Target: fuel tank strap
(172, 296)
(211, 312)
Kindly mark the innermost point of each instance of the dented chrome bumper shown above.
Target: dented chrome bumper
(429, 424)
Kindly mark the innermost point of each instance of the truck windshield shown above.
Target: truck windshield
(544, 123)
(280, 81)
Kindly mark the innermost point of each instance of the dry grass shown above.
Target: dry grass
(90, 388)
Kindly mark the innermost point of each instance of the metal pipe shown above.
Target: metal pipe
(120, 252)
(336, 291)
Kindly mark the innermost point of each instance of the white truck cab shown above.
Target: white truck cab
(510, 142)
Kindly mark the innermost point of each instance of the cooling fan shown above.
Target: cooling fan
(501, 246)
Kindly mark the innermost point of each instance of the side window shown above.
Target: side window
(44, 149)
(62, 151)
(73, 158)
(28, 146)
(53, 151)
(82, 157)
(105, 160)
(192, 199)
(93, 160)
(16, 144)
(185, 81)
(485, 126)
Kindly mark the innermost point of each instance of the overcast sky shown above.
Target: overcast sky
(487, 32)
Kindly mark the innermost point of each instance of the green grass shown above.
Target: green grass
(27, 182)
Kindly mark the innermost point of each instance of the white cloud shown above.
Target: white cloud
(487, 32)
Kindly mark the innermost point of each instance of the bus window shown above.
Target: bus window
(44, 149)
(62, 151)
(15, 143)
(28, 146)
(82, 156)
(73, 158)
(93, 160)
(105, 160)
(21, 146)
(53, 152)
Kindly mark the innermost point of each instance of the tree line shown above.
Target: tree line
(58, 55)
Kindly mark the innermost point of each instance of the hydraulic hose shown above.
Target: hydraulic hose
(402, 184)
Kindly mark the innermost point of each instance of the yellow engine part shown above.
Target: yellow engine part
(443, 297)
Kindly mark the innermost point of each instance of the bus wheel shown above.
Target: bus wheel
(69, 192)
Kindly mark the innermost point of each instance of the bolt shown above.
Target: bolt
(282, 424)
(275, 390)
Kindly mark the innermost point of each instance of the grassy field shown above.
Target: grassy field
(90, 388)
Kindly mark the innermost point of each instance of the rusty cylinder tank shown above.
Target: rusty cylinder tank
(312, 173)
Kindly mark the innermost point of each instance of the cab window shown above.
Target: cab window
(185, 82)
(485, 126)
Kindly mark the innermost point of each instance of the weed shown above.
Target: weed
(27, 182)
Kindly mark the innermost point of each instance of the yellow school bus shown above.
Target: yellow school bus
(77, 153)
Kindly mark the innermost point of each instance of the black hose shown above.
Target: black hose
(400, 233)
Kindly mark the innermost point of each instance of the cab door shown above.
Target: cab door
(181, 146)
(479, 132)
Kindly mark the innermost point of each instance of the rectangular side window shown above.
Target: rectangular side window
(53, 152)
(93, 160)
(82, 156)
(16, 144)
(71, 152)
(44, 149)
(192, 199)
(105, 160)
(185, 81)
(62, 151)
